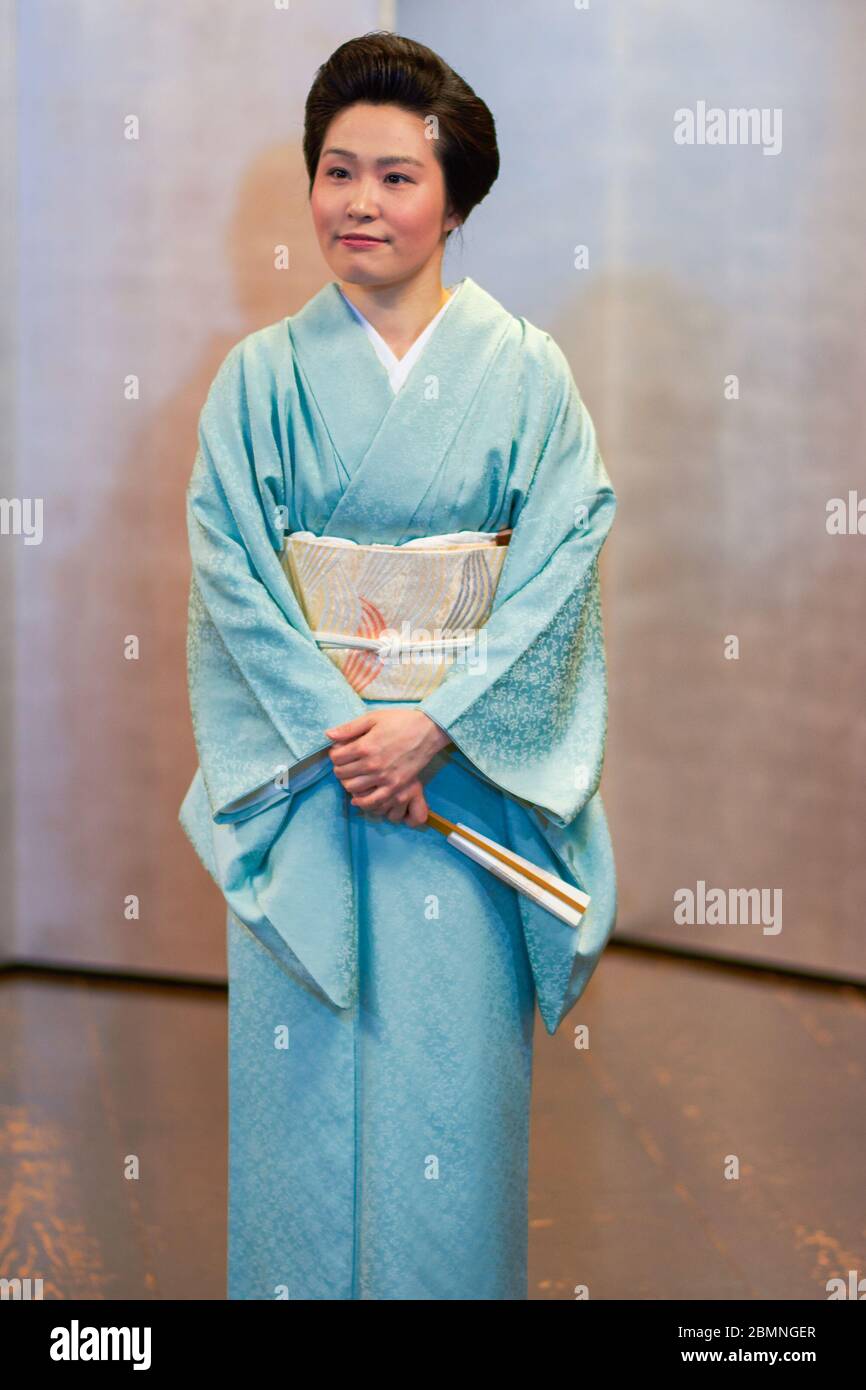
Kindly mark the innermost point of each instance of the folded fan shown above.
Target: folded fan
(560, 898)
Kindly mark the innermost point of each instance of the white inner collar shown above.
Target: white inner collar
(398, 368)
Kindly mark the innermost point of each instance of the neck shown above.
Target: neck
(400, 310)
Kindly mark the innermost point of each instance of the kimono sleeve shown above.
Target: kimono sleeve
(261, 691)
(531, 714)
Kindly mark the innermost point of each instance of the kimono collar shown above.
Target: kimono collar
(390, 446)
(398, 368)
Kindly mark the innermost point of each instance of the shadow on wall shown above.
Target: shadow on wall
(132, 577)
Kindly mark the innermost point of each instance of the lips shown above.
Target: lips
(352, 236)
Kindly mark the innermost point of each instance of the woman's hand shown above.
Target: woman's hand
(377, 758)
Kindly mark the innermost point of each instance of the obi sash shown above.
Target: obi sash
(394, 619)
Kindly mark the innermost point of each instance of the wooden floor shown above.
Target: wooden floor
(692, 1070)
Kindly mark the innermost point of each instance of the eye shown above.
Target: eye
(335, 171)
(398, 176)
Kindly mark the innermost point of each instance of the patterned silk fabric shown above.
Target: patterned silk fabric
(382, 985)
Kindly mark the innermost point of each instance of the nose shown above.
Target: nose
(363, 202)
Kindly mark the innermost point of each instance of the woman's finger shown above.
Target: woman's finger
(358, 784)
(417, 810)
(347, 754)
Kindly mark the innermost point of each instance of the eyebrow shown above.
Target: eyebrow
(382, 161)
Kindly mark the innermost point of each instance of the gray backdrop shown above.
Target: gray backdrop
(149, 258)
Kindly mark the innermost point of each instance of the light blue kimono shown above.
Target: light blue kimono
(381, 984)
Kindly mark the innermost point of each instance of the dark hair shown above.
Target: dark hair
(381, 67)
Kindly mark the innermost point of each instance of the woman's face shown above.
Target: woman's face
(378, 177)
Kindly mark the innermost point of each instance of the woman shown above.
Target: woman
(381, 984)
